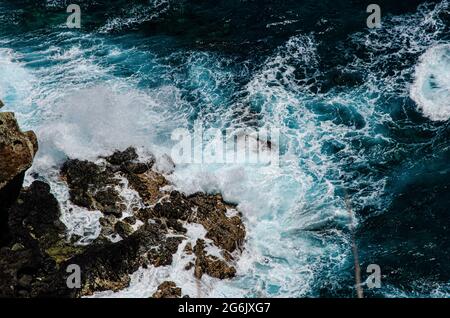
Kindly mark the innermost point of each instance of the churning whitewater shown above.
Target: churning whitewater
(359, 112)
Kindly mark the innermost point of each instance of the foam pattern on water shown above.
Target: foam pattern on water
(84, 97)
(431, 88)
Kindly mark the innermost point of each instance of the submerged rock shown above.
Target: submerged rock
(148, 185)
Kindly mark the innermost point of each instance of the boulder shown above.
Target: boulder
(127, 162)
(175, 206)
(123, 229)
(17, 149)
(167, 290)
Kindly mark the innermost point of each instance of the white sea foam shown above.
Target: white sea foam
(295, 220)
(278, 202)
(144, 282)
(79, 110)
(15, 83)
(431, 87)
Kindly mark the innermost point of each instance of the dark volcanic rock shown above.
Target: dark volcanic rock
(123, 229)
(36, 214)
(176, 226)
(29, 268)
(162, 255)
(8, 195)
(34, 260)
(139, 174)
(108, 266)
(176, 206)
(121, 157)
(92, 186)
(148, 185)
(208, 210)
(126, 161)
(30, 273)
(130, 220)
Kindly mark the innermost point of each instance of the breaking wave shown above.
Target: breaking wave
(88, 94)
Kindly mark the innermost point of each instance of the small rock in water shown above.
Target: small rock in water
(167, 290)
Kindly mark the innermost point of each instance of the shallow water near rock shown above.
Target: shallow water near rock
(362, 114)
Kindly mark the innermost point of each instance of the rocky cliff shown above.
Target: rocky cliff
(35, 251)
(17, 150)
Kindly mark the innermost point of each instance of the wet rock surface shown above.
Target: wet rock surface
(209, 264)
(208, 210)
(226, 232)
(29, 263)
(107, 266)
(92, 187)
(167, 290)
(26, 270)
(34, 260)
(17, 150)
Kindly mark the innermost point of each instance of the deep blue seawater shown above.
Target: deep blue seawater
(364, 115)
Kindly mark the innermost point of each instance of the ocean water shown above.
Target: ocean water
(363, 115)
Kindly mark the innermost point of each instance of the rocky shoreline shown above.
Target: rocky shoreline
(35, 250)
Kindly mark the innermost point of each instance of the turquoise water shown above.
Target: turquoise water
(363, 116)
